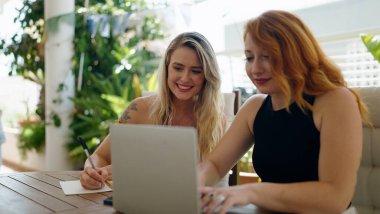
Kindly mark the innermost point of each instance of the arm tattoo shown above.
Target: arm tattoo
(125, 116)
(133, 106)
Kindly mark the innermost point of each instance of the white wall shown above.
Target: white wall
(10, 153)
(339, 19)
(17, 95)
(343, 19)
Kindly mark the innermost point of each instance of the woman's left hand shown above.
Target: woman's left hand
(224, 198)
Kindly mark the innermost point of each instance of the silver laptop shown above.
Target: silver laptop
(154, 169)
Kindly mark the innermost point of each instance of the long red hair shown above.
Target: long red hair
(299, 65)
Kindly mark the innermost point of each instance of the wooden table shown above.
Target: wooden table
(40, 192)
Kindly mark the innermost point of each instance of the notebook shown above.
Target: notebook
(154, 169)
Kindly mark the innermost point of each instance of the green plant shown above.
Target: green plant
(27, 52)
(372, 42)
(32, 136)
(245, 163)
(117, 66)
(116, 69)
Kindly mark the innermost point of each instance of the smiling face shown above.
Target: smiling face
(258, 67)
(185, 73)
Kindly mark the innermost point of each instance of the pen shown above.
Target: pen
(109, 183)
(85, 148)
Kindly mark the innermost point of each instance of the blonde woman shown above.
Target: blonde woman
(306, 127)
(189, 95)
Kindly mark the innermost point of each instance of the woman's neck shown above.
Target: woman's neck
(184, 106)
(183, 113)
(278, 101)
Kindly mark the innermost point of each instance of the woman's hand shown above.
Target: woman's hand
(94, 178)
(224, 198)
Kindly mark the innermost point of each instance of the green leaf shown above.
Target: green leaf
(56, 119)
(32, 136)
(372, 42)
(152, 84)
(117, 103)
(103, 92)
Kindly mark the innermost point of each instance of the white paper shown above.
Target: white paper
(74, 187)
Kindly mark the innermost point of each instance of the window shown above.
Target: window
(358, 66)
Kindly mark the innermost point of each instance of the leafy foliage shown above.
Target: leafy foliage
(32, 137)
(27, 53)
(372, 42)
(245, 163)
(116, 68)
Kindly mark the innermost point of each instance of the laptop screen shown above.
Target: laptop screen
(154, 169)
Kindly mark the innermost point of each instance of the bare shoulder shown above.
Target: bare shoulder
(137, 111)
(337, 103)
(337, 97)
(144, 102)
(254, 101)
(248, 111)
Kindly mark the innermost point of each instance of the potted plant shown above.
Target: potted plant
(118, 64)
(247, 173)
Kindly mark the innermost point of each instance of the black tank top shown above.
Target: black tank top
(286, 145)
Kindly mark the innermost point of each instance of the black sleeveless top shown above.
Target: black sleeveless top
(286, 145)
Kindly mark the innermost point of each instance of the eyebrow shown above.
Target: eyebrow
(176, 63)
(193, 67)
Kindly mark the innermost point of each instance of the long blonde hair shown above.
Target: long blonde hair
(299, 65)
(208, 108)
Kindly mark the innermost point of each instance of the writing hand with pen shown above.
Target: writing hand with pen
(92, 177)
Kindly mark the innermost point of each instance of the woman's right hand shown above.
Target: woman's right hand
(94, 178)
